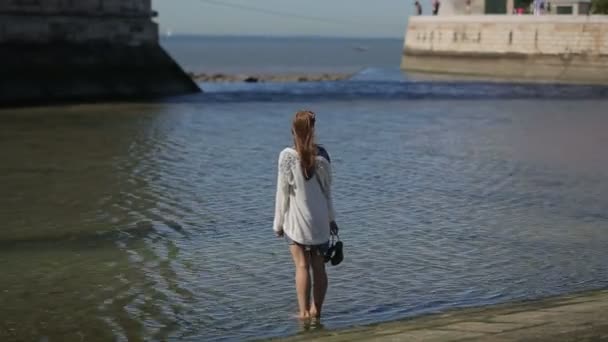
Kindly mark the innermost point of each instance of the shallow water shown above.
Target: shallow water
(153, 221)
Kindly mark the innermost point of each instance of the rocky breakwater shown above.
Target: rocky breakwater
(254, 78)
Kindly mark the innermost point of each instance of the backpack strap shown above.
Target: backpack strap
(321, 151)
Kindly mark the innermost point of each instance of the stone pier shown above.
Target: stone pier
(83, 51)
(552, 48)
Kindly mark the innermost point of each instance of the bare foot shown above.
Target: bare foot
(304, 316)
(314, 313)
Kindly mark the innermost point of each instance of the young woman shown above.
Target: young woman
(304, 211)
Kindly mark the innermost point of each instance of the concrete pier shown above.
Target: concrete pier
(568, 49)
(83, 51)
(577, 317)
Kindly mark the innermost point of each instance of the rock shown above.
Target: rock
(219, 77)
(305, 77)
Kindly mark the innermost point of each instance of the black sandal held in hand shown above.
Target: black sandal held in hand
(334, 252)
(338, 256)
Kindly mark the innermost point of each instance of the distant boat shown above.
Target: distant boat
(168, 33)
(360, 48)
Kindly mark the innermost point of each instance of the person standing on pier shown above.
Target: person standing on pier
(436, 4)
(418, 7)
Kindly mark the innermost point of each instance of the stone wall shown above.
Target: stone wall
(83, 51)
(75, 29)
(38, 74)
(114, 8)
(552, 48)
(48, 21)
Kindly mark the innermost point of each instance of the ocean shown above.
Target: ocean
(234, 54)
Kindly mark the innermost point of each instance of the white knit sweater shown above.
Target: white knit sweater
(303, 208)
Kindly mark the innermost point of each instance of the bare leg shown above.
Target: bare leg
(301, 262)
(320, 284)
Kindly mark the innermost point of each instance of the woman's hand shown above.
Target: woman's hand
(279, 233)
(333, 228)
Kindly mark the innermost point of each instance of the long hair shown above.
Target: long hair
(303, 130)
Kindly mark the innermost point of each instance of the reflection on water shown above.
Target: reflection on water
(154, 221)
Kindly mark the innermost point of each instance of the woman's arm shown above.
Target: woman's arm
(282, 195)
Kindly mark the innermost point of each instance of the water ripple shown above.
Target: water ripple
(155, 223)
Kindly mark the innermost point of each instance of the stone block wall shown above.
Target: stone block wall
(79, 7)
(576, 47)
(77, 21)
(510, 34)
(59, 29)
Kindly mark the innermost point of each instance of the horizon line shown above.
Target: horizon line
(163, 35)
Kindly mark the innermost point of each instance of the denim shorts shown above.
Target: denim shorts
(319, 249)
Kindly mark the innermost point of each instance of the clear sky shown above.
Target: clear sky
(337, 18)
